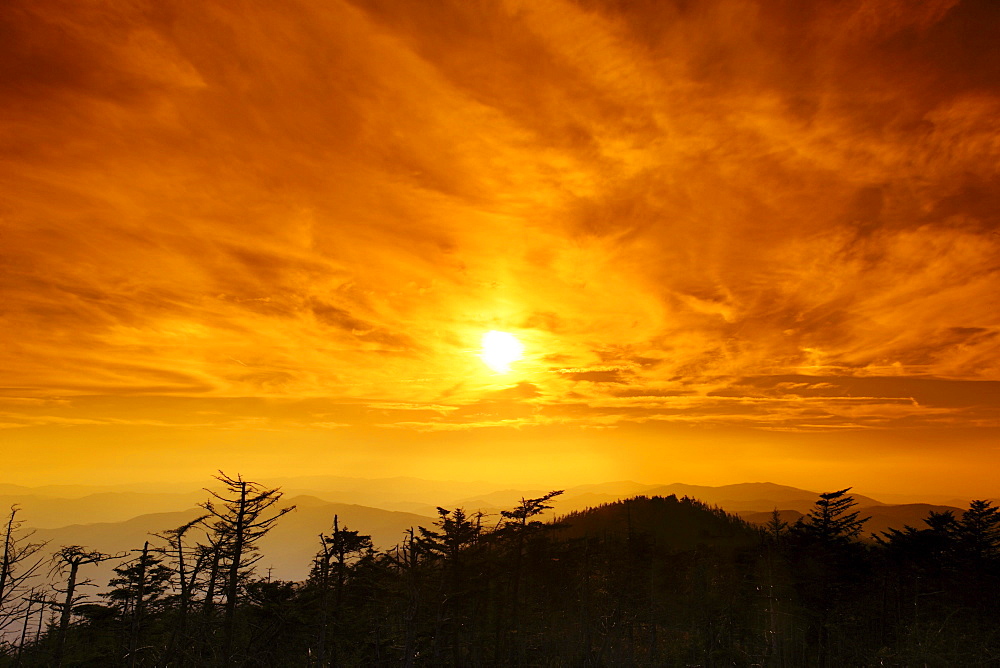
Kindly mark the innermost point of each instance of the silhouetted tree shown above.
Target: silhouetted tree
(452, 546)
(829, 562)
(644, 582)
(519, 526)
(33, 596)
(137, 591)
(407, 560)
(776, 527)
(928, 549)
(19, 562)
(67, 562)
(186, 574)
(831, 519)
(978, 533)
(239, 518)
(211, 553)
(329, 576)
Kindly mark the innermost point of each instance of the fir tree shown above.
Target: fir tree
(832, 520)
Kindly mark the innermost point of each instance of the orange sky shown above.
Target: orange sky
(739, 240)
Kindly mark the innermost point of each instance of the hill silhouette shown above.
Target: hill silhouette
(669, 522)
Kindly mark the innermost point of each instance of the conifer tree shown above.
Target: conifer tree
(776, 527)
(329, 575)
(519, 526)
(240, 517)
(452, 545)
(978, 532)
(832, 520)
(137, 591)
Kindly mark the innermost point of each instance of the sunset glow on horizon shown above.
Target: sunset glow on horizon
(710, 242)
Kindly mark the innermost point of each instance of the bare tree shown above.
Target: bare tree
(66, 562)
(239, 518)
(186, 576)
(210, 560)
(31, 597)
(18, 564)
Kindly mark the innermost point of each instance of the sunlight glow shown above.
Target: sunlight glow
(500, 349)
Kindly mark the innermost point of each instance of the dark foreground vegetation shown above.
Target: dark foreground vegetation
(644, 582)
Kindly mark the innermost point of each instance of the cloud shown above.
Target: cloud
(389, 406)
(726, 212)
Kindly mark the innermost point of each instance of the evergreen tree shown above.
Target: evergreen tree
(978, 533)
(452, 547)
(519, 527)
(137, 592)
(239, 517)
(831, 519)
(329, 577)
(644, 582)
(776, 527)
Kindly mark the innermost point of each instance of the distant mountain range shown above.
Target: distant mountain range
(287, 549)
(51, 512)
(118, 519)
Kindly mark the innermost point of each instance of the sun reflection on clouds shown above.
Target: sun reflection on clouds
(333, 200)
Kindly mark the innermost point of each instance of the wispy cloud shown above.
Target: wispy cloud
(725, 212)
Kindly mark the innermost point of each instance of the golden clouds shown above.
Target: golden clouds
(333, 201)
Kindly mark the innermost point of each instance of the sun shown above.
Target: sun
(500, 349)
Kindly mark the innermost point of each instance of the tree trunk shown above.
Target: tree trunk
(24, 632)
(133, 640)
(67, 610)
(5, 564)
(229, 624)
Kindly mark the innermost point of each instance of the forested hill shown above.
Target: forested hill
(648, 581)
(667, 522)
